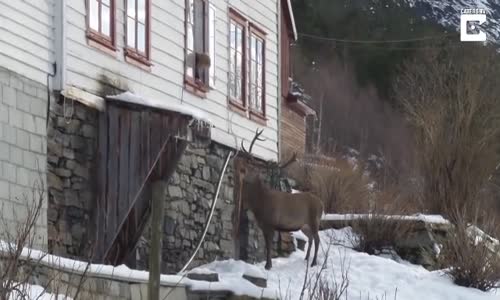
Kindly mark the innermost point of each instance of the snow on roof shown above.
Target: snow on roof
(165, 104)
(434, 219)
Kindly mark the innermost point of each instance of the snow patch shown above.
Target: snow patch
(165, 104)
(435, 219)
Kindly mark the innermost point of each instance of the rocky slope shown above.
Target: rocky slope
(447, 13)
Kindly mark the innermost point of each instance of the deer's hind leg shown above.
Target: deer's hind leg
(307, 231)
(268, 236)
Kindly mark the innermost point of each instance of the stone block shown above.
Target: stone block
(174, 191)
(36, 143)
(9, 96)
(38, 108)
(258, 281)
(210, 277)
(23, 102)
(4, 114)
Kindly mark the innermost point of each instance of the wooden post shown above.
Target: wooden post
(157, 207)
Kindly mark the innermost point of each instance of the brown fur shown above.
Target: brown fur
(275, 210)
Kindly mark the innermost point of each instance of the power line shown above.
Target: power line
(312, 36)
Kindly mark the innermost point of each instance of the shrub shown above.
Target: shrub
(471, 258)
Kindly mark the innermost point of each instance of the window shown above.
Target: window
(138, 30)
(256, 71)
(246, 66)
(237, 66)
(100, 22)
(200, 44)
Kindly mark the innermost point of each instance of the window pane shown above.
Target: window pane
(94, 15)
(232, 35)
(259, 51)
(239, 38)
(260, 104)
(105, 19)
(131, 8)
(141, 7)
(141, 38)
(199, 26)
(106, 2)
(211, 32)
(239, 74)
(131, 32)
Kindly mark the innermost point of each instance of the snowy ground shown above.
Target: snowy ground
(370, 277)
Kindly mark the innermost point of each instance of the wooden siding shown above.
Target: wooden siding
(293, 131)
(132, 139)
(85, 64)
(27, 37)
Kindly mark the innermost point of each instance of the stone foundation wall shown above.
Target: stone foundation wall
(72, 154)
(190, 194)
(72, 165)
(23, 138)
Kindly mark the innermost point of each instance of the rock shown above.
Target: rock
(88, 131)
(260, 282)
(174, 191)
(69, 153)
(207, 186)
(210, 277)
(63, 172)
(206, 173)
(81, 171)
(54, 181)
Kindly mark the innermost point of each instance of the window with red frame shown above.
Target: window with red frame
(246, 65)
(256, 72)
(100, 21)
(200, 44)
(138, 29)
(237, 66)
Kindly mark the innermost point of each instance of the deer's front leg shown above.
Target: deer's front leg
(268, 236)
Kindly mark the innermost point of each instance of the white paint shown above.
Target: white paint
(86, 64)
(27, 37)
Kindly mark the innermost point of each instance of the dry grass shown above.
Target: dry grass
(472, 258)
(341, 187)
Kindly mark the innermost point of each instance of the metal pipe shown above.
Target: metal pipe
(221, 176)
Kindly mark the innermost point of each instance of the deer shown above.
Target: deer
(276, 210)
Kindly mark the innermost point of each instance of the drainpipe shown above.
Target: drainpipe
(60, 45)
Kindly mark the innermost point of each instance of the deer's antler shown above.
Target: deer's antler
(289, 161)
(255, 138)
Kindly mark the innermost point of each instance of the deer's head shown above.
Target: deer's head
(251, 170)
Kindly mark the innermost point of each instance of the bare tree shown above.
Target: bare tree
(451, 99)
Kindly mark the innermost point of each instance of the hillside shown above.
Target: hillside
(447, 13)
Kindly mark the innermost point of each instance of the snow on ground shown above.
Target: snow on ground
(370, 277)
(35, 292)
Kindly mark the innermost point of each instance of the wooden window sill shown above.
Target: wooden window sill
(196, 88)
(237, 108)
(258, 117)
(138, 60)
(101, 42)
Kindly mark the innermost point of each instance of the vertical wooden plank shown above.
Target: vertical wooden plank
(102, 183)
(134, 178)
(113, 171)
(123, 177)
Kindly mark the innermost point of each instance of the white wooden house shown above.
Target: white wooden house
(151, 45)
(222, 57)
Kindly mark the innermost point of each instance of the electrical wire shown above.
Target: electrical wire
(352, 41)
(221, 177)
